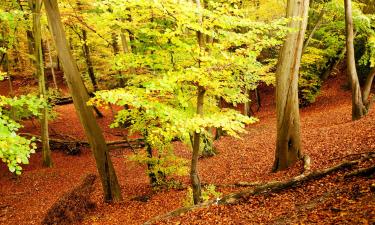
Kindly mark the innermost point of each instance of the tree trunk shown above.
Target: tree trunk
(51, 62)
(194, 176)
(316, 26)
(247, 105)
(29, 33)
(367, 88)
(257, 98)
(288, 143)
(124, 42)
(358, 109)
(93, 132)
(36, 6)
(87, 55)
(150, 166)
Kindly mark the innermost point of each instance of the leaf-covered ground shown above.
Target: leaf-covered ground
(328, 136)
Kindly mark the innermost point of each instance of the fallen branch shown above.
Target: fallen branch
(272, 186)
(362, 172)
(238, 184)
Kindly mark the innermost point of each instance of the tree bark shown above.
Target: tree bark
(316, 26)
(288, 143)
(124, 42)
(87, 55)
(358, 109)
(194, 176)
(51, 62)
(80, 96)
(247, 105)
(36, 6)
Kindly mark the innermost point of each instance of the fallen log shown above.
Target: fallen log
(272, 186)
(63, 101)
(70, 146)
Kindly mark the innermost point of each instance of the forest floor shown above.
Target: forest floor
(328, 136)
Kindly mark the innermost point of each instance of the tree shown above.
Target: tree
(288, 143)
(358, 108)
(194, 176)
(80, 97)
(36, 6)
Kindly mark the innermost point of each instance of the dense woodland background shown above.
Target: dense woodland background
(196, 112)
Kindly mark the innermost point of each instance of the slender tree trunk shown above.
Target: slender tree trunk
(126, 49)
(247, 105)
(316, 26)
(87, 55)
(6, 70)
(93, 132)
(29, 33)
(115, 46)
(58, 63)
(258, 99)
(333, 64)
(124, 42)
(358, 109)
(194, 176)
(150, 166)
(36, 6)
(51, 62)
(288, 143)
(367, 88)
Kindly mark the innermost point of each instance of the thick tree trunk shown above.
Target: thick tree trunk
(358, 109)
(93, 132)
(288, 144)
(367, 88)
(36, 6)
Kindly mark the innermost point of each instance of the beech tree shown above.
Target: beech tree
(288, 143)
(80, 97)
(202, 56)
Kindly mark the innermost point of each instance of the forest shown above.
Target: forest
(187, 112)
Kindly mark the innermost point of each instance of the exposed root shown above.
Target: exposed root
(306, 163)
(272, 186)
